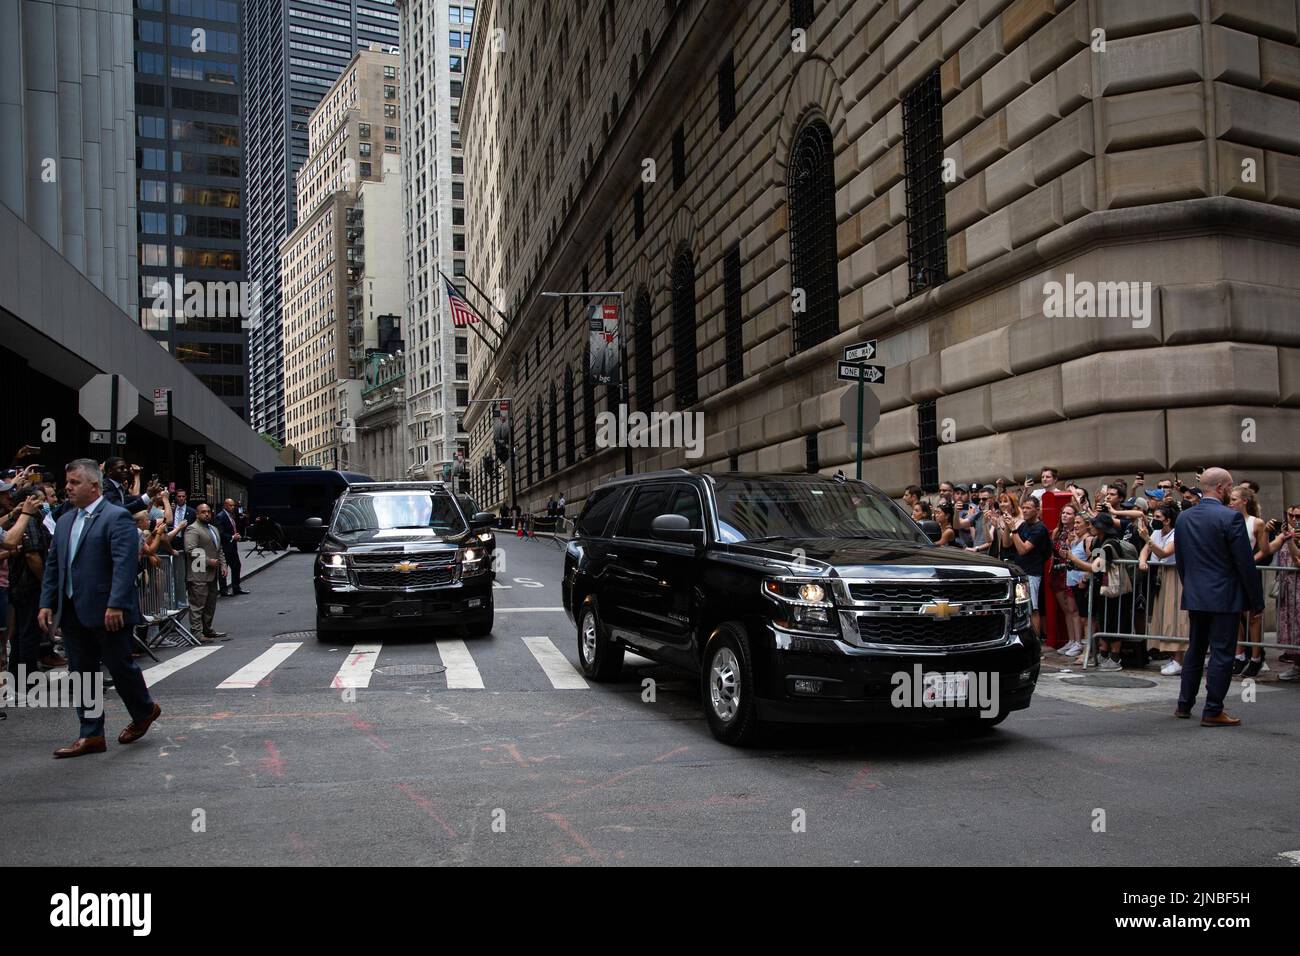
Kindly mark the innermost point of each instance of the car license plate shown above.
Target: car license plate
(946, 688)
(408, 609)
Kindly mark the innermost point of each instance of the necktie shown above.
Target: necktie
(73, 541)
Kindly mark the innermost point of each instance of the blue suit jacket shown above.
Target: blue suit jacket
(104, 570)
(1216, 560)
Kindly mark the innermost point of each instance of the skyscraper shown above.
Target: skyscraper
(294, 50)
(190, 183)
(435, 41)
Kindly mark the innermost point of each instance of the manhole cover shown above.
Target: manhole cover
(296, 636)
(1108, 680)
(409, 670)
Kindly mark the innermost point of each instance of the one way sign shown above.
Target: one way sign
(861, 352)
(854, 372)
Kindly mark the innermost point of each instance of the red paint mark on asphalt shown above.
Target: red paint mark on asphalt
(366, 728)
(273, 763)
(426, 805)
(860, 781)
(573, 794)
(574, 835)
(564, 720)
(671, 753)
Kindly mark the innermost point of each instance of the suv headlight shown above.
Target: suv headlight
(335, 567)
(1022, 592)
(472, 561)
(802, 605)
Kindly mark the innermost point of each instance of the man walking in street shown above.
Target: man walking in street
(228, 526)
(206, 564)
(1220, 582)
(89, 587)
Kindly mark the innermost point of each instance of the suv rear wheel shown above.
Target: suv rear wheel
(600, 656)
(727, 687)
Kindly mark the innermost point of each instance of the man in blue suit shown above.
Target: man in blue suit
(89, 587)
(1220, 583)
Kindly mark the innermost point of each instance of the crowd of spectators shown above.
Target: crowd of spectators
(32, 498)
(1133, 524)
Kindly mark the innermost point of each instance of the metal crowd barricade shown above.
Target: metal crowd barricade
(1137, 615)
(164, 603)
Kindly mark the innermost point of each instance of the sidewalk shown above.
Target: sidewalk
(250, 564)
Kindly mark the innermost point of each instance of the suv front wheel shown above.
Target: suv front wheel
(727, 687)
(600, 656)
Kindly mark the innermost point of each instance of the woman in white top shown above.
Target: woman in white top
(1168, 619)
(1243, 500)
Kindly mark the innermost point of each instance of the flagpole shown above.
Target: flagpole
(504, 321)
(482, 318)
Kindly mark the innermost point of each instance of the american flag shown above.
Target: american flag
(462, 313)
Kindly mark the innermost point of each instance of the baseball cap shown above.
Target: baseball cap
(6, 486)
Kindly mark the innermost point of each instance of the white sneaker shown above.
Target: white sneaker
(1108, 664)
(1172, 668)
(1292, 674)
(1073, 649)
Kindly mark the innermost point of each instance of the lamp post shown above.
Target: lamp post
(622, 352)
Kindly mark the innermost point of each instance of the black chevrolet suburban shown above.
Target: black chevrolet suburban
(400, 554)
(796, 598)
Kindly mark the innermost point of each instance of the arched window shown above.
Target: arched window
(813, 256)
(645, 47)
(541, 442)
(555, 432)
(684, 345)
(528, 446)
(643, 343)
(631, 77)
(570, 438)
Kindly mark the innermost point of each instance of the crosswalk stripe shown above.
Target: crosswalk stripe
(252, 673)
(462, 672)
(559, 671)
(357, 666)
(170, 666)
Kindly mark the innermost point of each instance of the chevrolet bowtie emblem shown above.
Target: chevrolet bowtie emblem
(406, 566)
(941, 609)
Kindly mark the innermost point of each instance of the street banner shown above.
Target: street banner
(603, 344)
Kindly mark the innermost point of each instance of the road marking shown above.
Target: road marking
(561, 674)
(357, 666)
(252, 673)
(533, 610)
(462, 672)
(170, 666)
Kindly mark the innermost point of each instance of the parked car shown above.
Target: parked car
(400, 554)
(796, 598)
(282, 502)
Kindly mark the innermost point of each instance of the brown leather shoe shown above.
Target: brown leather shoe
(81, 746)
(1182, 714)
(134, 731)
(1221, 719)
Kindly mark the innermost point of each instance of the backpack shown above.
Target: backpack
(1118, 580)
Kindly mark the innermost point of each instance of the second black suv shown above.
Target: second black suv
(400, 554)
(795, 598)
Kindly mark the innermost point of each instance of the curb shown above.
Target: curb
(244, 576)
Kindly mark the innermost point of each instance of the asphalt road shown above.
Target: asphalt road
(286, 764)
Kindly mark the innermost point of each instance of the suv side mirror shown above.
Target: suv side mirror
(313, 523)
(676, 528)
(931, 529)
(482, 521)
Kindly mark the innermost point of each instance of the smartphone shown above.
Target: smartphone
(1141, 476)
(1029, 479)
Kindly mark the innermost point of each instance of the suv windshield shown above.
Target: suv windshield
(391, 511)
(753, 509)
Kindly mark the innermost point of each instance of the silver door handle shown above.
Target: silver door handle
(650, 564)
(612, 557)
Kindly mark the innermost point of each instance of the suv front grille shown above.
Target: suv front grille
(925, 632)
(957, 592)
(382, 572)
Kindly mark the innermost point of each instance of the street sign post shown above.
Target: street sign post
(106, 438)
(857, 371)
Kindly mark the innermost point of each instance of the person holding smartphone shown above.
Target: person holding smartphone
(1288, 594)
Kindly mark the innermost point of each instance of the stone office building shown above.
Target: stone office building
(1071, 226)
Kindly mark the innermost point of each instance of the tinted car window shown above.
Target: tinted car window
(393, 512)
(650, 502)
(754, 509)
(686, 502)
(599, 509)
